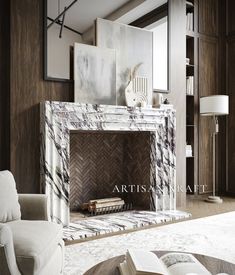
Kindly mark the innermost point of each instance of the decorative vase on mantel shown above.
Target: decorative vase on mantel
(158, 99)
(137, 90)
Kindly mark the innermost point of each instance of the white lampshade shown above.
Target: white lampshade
(216, 105)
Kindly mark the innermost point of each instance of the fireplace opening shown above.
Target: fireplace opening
(108, 165)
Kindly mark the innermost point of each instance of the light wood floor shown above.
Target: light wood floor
(194, 205)
(199, 208)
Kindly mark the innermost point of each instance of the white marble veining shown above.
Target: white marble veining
(109, 223)
(212, 236)
(94, 74)
(134, 49)
(58, 118)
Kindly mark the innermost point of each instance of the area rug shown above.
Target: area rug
(212, 236)
(110, 223)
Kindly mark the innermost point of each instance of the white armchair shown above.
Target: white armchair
(29, 243)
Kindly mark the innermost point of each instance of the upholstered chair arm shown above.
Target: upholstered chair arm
(33, 206)
(8, 264)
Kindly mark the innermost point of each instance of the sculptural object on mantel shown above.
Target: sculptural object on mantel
(137, 89)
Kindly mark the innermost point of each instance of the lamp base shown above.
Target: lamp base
(214, 199)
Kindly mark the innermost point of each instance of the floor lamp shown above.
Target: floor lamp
(216, 105)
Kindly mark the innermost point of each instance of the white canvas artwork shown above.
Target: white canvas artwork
(133, 46)
(94, 75)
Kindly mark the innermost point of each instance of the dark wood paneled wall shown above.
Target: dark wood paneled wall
(221, 138)
(219, 32)
(231, 117)
(4, 84)
(27, 90)
(230, 8)
(208, 75)
(207, 32)
(208, 17)
(230, 77)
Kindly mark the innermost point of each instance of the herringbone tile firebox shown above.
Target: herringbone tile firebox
(102, 163)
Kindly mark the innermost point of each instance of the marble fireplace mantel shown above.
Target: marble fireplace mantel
(59, 118)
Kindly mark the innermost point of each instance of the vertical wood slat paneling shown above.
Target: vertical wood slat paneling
(231, 117)
(28, 89)
(230, 17)
(208, 74)
(226, 139)
(221, 162)
(4, 85)
(208, 17)
(208, 83)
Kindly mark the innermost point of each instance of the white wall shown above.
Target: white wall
(160, 56)
(177, 95)
(160, 53)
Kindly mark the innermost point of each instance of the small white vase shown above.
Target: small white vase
(157, 99)
(136, 92)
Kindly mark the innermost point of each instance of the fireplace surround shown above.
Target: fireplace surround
(59, 118)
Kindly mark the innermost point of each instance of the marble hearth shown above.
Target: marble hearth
(59, 119)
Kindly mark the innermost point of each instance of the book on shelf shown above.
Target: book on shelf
(189, 21)
(189, 3)
(189, 151)
(140, 262)
(190, 85)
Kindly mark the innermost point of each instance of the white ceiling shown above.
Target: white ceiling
(82, 14)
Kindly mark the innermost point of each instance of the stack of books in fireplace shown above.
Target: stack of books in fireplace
(104, 205)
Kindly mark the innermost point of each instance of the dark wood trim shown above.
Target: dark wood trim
(5, 85)
(228, 39)
(229, 17)
(232, 33)
(192, 104)
(27, 90)
(151, 17)
(54, 79)
(230, 185)
(207, 21)
(221, 159)
(45, 76)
